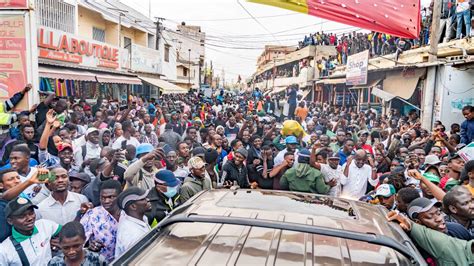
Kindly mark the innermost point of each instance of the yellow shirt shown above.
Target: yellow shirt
(470, 189)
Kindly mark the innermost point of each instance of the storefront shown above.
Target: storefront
(401, 90)
(72, 66)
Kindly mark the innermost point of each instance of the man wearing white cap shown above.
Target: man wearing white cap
(133, 224)
(91, 150)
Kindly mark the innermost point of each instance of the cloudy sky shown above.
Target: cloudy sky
(234, 38)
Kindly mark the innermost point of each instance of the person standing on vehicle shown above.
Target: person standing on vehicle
(164, 198)
(196, 181)
(133, 223)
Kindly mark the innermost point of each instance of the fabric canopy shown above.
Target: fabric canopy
(332, 81)
(168, 88)
(370, 84)
(278, 89)
(382, 94)
(403, 83)
(82, 75)
(306, 93)
(396, 17)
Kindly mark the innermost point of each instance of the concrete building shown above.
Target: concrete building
(401, 84)
(273, 52)
(93, 47)
(294, 68)
(190, 54)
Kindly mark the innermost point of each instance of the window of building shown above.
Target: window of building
(185, 72)
(127, 44)
(167, 53)
(151, 41)
(56, 14)
(98, 34)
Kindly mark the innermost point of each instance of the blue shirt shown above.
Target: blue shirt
(343, 157)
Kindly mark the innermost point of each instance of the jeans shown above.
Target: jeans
(466, 15)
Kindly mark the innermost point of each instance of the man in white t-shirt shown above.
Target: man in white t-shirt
(133, 224)
(356, 175)
(126, 138)
(332, 171)
(32, 236)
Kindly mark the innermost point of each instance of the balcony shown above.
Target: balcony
(185, 79)
(306, 75)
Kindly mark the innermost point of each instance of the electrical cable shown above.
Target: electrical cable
(237, 19)
(256, 20)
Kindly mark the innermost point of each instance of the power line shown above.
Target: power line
(256, 20)
(236, 19)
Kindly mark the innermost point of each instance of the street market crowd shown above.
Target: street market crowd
(82, 181)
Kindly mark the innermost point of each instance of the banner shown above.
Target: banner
(357, 68)
(396, 17)
(145, 59)
(13, 4)
(62, 46)
(13, 61)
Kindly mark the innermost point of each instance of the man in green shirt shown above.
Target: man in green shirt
(305, 178)
(445, 249)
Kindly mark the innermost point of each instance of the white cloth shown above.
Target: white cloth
(37, 248)
(52, 209)
(92, 152)
(330, 174)
(355, 184)
(281, 157)
(118, 142)
(462, 5)
(129, 231)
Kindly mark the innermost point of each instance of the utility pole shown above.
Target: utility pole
(121, 14)
(429, 92)
(158, 32)
(189, 74)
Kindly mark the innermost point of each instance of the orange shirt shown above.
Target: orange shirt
(301, 113)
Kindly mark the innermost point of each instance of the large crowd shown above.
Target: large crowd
(82, 181)
(457, 12)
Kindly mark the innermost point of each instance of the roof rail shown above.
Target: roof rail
(405, 249)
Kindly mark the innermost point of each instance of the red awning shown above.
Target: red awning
(83, 75)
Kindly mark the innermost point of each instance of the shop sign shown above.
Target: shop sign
(62, 46)
(356, 69)
(145, 60)
(13, 4)
(13, 58)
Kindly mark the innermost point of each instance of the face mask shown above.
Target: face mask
(171, 192)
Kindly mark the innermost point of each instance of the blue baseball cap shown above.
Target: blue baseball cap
(291, 140)
(144, 148)
(166, 178)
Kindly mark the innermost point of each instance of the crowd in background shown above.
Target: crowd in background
(458, 13)
(88, 179)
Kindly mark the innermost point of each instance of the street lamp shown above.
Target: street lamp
(189, 74)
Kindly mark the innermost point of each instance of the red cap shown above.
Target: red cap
(62, 146)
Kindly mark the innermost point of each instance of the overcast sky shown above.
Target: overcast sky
(227, 24)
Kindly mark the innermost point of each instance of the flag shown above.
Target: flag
(396, 17)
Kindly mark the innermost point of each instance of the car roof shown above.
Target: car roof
(239, 231)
